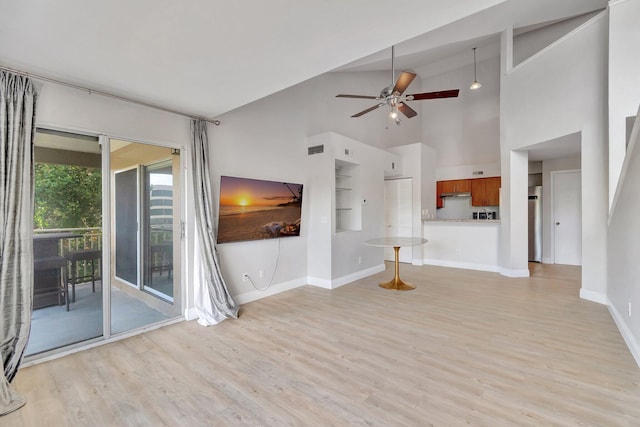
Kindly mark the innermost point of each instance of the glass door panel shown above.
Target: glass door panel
(67, 242)
(126, 229)
(145, 285)
(158, 230)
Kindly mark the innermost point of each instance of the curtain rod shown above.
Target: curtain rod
(99, 92)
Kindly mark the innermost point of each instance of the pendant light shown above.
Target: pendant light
(476, 84)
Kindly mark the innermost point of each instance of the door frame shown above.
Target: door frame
(553, 174)
(389, 252)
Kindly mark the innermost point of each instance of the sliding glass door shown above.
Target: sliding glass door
(146, 242)
(107, 238)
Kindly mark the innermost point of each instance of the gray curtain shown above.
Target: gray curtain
(17, 115)
(213, 303)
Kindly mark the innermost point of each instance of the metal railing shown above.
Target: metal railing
(89, 238)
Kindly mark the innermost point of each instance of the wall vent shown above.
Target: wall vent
(316, 149)
(476, 173)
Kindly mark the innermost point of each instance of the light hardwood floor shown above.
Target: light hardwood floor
(464, 348)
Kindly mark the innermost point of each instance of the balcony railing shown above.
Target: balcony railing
(89, 238)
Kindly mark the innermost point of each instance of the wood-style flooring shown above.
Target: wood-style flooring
(464, 348)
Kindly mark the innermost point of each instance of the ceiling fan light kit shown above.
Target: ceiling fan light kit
(394, 97)
(476, 84)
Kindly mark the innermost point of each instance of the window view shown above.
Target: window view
(146, 227)
(67, 241)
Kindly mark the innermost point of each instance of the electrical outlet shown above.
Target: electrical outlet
(245, 277)
(629, 308)
(261, 274)
(359, 260)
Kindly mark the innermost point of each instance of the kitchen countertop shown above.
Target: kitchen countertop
(466, 221)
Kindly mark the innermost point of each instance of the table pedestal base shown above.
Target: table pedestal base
(396, 283)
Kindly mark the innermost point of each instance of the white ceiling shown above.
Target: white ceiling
(207, 57)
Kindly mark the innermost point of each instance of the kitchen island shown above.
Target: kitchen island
(462, 243)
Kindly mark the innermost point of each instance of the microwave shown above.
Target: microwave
(485, 215)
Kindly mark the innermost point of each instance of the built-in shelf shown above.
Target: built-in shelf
(347, 217)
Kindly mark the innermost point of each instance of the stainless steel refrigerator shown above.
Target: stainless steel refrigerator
(535, 223)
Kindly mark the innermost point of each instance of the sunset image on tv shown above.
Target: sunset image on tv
(253, 209)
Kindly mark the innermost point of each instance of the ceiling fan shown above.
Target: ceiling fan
(394, 96)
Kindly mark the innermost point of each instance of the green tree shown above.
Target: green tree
(67, 196)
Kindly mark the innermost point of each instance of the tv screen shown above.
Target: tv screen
(253, 209)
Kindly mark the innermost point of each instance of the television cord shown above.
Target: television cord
(272, 274)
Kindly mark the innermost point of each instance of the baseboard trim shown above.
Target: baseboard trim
(254, 295)
(463, 265)
(341, 281)
(547, 260)
(507, 272)
(627, 335)
(592, 296)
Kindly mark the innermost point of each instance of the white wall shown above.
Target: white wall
(463, 130)
(268, 139)
(623, 290)
(623, 287)
(527, 44)
(543, 98)
(445, 173)
(624, 90)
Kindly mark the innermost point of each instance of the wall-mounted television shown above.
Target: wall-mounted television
(253, 209)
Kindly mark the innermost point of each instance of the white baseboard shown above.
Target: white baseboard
(592, 296)
(507, 272)
(629, 339)
(271, 290)
(463, 265)
(336, 283)
(321, 283)
(547, 260)
(417, 262)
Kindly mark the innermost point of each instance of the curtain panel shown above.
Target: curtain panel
(213, 303)
(17, 128)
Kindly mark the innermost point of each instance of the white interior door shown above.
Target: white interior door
(567, 217)
(398, 214)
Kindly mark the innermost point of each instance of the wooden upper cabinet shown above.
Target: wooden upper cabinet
(456, 186)
(485, 191)
(439, 202)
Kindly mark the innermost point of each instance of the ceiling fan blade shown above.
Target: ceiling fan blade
(407, 111)
(434, 95)
(368, 110)
(342, 95)
(403, 82)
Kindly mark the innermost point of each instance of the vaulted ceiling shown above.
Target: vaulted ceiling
(205, 57)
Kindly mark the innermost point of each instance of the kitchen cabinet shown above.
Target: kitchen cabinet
(439, 202)
(485, 191)
(456, 186)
